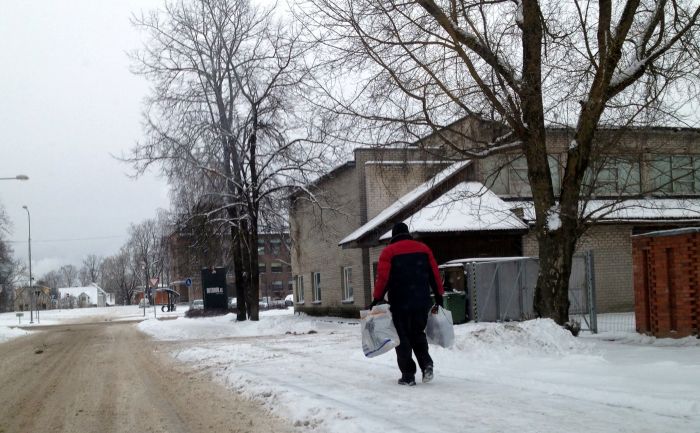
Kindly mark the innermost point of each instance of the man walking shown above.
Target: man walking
(407, 271)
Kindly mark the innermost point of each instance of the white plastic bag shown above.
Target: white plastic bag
(439, 329)
(378, 332)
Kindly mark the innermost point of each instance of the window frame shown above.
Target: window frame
(299, 289)
(316, 287)
(348, 296)
(678, 178)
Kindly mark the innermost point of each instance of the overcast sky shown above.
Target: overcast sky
(68, 101)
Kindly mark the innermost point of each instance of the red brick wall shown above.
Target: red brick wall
(667, 284)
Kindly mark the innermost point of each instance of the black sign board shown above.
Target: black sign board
(214, 288)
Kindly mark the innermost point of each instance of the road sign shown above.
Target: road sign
(188, 282)
(20, 314)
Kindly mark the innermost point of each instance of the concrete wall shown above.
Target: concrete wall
(612, 261)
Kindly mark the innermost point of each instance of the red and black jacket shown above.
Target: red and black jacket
(407, 270)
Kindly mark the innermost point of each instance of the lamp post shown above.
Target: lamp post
(31, 282)
(18, 177)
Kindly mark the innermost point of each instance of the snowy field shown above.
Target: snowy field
(516, 377)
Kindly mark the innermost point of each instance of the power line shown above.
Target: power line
(66, 240)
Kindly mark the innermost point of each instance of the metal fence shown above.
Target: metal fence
(616, 322)
(502, 289)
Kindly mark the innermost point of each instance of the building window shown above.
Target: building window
(275, 246)
(290, 285)
(276, 267)
(261, 268)
(677, 174)
(316, 286)
(509, 175)
(261, 247)
(277, 287)
(300, 289)
(614, 175)
(347, 284)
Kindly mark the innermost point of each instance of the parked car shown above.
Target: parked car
(289, 301)
(232, 302)
(263, 304)
(198, 304)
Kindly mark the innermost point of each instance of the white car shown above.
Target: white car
(232, 302)
(198, 304)
(289, 301)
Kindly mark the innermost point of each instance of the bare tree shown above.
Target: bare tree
(11, 270)
(147, 251)
(226, 120)
(519, 66)
(53, 279)
(118, 276)
(69, 274)
(90, 271)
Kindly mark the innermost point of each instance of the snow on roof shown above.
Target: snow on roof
(404, 201)
(469, 206)
(421, 162)
(91, 291)
(652, 209)
(671, 232)
(458, 263)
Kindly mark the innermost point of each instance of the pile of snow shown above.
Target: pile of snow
(7, 333)
(533, 337)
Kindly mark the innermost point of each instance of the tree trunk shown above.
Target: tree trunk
(241, 303)
(254, 273)
(552, 291)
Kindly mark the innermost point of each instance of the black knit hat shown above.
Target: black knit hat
(399, 229)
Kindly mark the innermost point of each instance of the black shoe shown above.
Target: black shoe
(428, 374)
(409, 381)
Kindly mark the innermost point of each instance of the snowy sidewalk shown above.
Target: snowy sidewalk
(528, 377)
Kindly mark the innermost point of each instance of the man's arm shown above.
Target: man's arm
(383, 271)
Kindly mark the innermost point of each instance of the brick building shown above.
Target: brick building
(191, 250)
(194, 246)
(274, 265)
(667, 282)
(649, 179)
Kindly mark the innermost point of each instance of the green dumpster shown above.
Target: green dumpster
(456, 303)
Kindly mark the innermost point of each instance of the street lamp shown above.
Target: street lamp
(18, 177)
(31, 283)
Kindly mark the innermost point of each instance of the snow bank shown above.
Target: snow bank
(273, 322)
(529, 377)
(7, 333)
(533, 337)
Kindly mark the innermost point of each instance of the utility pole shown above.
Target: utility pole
(31, 280)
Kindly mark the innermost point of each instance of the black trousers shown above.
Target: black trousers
(410, 326)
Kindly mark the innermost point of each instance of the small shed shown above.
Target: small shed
(667, 282)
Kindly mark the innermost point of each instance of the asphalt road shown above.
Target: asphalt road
(108, 377)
